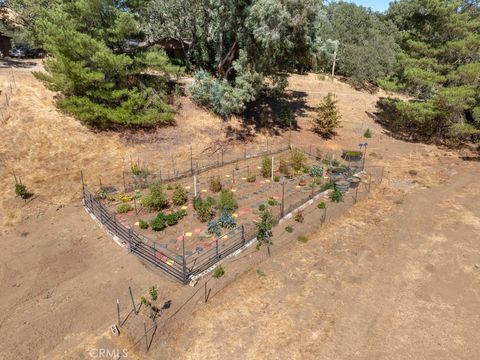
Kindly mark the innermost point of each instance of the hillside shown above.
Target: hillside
(379, 281)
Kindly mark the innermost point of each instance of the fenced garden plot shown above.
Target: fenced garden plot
(180, 307)
(192, 224)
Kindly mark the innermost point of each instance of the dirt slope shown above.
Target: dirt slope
(396, 277)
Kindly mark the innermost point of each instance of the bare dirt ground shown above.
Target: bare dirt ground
(396, 277)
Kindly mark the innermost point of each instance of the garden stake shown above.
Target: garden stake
(100, 180)
(191, 159)
(283, 197)
(245, 152)
(135, 205)
(133, 301)
(272, 169)
(15, 176)
(124, 184)
(195, 185)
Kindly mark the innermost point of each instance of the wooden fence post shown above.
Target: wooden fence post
(272, 169)
(184, 265)
(191, 160)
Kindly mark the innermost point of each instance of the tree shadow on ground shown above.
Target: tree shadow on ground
(12, 63)
(387, 117)
(267, 114)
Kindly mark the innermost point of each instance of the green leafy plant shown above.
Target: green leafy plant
(302, 239)
(272, 202)
(289, 229)
(124, 208)
(173, 218)
(158, 224)
(205, 208)
(315, 171)
(251, 178)
(145, 302)
(264, 229)
(327, 186)
(350, 155)
(218, 272)
(317, 180)
(214, 228)
(299, 217)
(156, 199)
(276, 178)
(302, 181)
(336, 196)
(21, 190)
(368, 133)
(142, 224)
(261, 207)
(262, 120)
(322, 205)
(298, 159)
(214, 184)
(267, 167)
(226, 220)
(260, 272)
(180, 196)
(284, 166)
(286, 118)
(153, 291)
(227, 201)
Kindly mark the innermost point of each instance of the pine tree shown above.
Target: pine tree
(96, 63)
(327, 119)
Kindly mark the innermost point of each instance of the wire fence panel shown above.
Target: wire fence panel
(189, 265)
